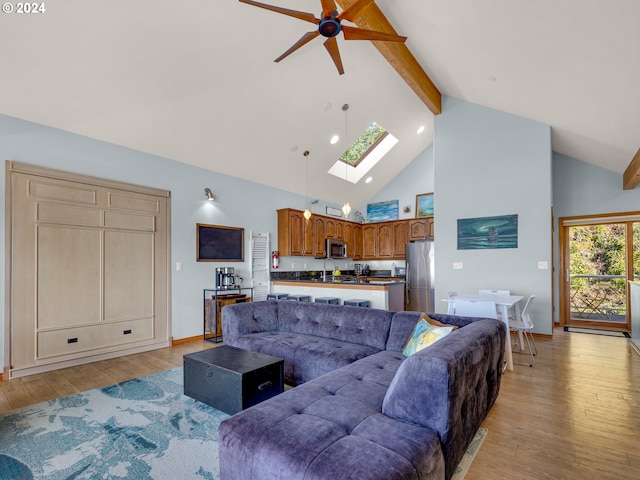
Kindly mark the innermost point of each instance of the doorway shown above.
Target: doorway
(599, 255)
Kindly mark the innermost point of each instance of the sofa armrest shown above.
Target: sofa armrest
(451, 385)
(251, 317)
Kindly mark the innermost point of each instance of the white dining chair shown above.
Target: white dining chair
(475, 308)
(497, 293)
(525, 326)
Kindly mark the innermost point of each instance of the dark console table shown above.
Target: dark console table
(231, 379)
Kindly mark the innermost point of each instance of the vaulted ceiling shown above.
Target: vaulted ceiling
(195, 80)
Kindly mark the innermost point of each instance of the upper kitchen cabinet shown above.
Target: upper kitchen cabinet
(420, 228)
(296, 235)
(335, 228)
(353, 238)
(321, 235)
(400, 238)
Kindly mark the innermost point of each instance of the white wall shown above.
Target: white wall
(489, 163)
(238, 203)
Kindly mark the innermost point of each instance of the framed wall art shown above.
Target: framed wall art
(488, 232)
(424, 205)
(382, 211)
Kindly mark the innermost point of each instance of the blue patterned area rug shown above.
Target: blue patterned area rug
(143, 428)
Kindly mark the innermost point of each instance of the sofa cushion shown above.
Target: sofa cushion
(459, 379)
(305, 356)
(424, 335)
(365, 326)
(331, 427)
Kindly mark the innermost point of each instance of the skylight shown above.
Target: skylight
(366, 151)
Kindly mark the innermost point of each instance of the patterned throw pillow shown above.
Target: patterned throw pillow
(423, 335)
(432, 321)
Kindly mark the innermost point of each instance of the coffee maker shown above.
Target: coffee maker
(225, 279)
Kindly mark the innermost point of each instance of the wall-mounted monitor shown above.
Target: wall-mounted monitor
(215, 243)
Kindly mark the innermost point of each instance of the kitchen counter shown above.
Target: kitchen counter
(381, 292)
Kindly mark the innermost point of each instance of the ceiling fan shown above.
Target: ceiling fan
(330, 25)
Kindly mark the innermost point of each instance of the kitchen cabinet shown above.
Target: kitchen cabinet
(334, 228)
(420, 228)
(353, 238)
(369, 241)
(295, 234)
(385, 240)
(320, 236)
(400, 238)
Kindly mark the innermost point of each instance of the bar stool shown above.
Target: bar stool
(328, 300)
(299, 298)
(358, 303)
(277, 296)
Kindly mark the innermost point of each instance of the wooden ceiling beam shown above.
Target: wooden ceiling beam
(631, 176)
(399, 56)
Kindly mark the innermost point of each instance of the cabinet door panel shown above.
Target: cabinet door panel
(128, 275)
(68, 276)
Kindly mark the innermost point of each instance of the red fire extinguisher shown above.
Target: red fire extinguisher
(275, 263)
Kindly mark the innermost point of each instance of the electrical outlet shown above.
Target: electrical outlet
(293, 265)
(543, 265)
(178, 266)
(457, 265)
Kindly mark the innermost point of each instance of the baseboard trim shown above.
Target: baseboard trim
(186, 340)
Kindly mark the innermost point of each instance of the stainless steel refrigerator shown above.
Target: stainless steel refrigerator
(420, 276)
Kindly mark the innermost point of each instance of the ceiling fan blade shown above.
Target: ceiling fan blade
(328, 6)
(354, 10)
(306, 38)
(332, 47)
(352, 33)
(307, 17)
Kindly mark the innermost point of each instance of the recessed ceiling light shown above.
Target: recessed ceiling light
(368, 180)
(334, 139)
(491, 78)
(420, 129)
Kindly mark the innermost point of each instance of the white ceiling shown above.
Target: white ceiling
(195, 81)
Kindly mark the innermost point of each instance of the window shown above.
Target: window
(373, 144)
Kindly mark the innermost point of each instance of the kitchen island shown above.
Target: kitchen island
(383, 294)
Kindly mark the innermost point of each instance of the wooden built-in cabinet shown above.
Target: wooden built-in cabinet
(369, 241)
(420, 228)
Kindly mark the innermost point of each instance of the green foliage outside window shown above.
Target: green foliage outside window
(598, 268)
(363, 144)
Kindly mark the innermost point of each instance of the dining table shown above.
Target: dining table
(505, 303)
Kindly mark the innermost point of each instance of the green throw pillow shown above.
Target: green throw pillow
(423, 335)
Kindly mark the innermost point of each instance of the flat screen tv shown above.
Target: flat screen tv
(215, 243)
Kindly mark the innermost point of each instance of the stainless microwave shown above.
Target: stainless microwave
(336, 248)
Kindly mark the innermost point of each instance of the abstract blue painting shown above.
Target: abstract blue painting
(382, 211)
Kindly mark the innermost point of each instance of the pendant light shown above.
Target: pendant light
(346, 208)
(307, 212)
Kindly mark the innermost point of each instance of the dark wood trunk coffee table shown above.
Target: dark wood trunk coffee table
(231, 379)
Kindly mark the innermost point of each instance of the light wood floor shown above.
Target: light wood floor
(575, 415)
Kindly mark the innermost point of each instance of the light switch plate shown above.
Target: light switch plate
(457, 265)
(543, 265)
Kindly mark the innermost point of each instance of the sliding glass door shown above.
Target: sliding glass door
(599, 256)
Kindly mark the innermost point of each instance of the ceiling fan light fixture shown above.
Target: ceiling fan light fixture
(330, 26)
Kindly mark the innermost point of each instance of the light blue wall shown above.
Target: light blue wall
(580, 188)
(583, 189)
(238, 203)
(490, 163)
(415, 179)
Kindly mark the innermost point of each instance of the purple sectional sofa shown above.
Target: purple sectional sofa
(360, 409)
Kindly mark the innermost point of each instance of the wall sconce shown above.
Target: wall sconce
(209, 194)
